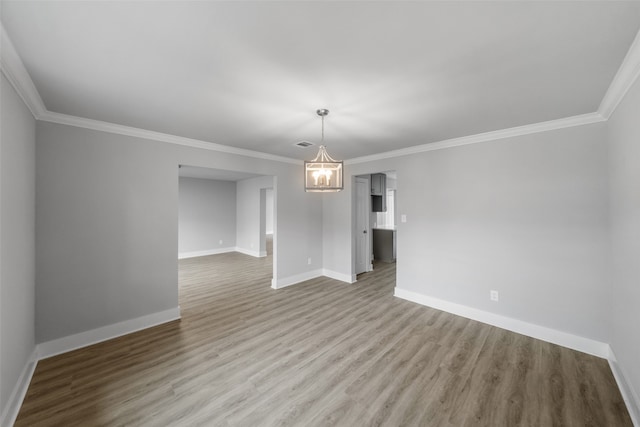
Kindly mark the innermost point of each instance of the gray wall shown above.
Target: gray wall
(250, 231)
(526, 216)
(107, 225)
(269, 211)
(207, 214)
(624, 142)
(106, 230)
(17, 238)
(338, 217)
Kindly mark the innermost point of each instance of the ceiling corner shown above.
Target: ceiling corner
(625, 77)
(15, 71)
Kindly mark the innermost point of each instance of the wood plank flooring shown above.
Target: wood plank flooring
(322, 353)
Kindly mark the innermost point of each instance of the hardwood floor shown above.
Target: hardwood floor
(322, 353)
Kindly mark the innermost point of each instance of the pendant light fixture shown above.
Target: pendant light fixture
(323, 174)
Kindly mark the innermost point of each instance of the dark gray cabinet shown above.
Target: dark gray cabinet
(384, 244)
(378, 192)
(378, 184)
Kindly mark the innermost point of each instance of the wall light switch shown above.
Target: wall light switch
(309, 261)
(220, 242)
(403, 218)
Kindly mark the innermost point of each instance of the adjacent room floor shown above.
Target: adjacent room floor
(316, 354)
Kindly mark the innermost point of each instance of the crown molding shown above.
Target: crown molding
(15, 71)
(13, 68)
(623, 80)
(567, 122)
(81, 122)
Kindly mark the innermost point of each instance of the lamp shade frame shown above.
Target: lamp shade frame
(316, 180)
(323, 174)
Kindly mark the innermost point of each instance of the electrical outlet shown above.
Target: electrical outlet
(309, 261)
(403, 218)
(494, 296)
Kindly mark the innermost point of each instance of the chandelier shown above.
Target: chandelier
(323, 174)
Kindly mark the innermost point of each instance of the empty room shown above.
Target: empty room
(314, 213)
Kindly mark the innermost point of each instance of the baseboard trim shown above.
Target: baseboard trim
(255, 254)
(630, 396)
(348, 278)
(94, 336)
(575, 342)
(206, 252)
(295, 279)
(10, 412)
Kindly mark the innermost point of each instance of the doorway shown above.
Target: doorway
(222, 211)
(375, 222)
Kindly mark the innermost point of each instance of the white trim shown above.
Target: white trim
(87, 338)
(13, 68)
(630, 396)
(14, 403)
(250, 252)
(295, 279)
(575, 342)
(623, 80)
(302, 277)
(584, 119)
(15, 71)
(81, 122)
(348, 278)
(195, 254)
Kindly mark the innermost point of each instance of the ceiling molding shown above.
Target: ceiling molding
(15, 71)
(13, 68)
(567, 122)
(623, 80)
(99, 125)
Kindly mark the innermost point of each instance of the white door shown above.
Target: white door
(362, 225)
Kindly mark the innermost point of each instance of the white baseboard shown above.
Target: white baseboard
(349, 278)
(256, 254)
(250, 252)
(10, 412)
(295, 279)
(194, 254)
(575, 342)
(630, 396)
(94, 336)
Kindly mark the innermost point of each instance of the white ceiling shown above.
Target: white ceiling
(252, 74)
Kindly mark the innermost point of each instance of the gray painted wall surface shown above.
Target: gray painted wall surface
(106, 230)
(526, 216)
(338, 218)
(207, 214)
(17, 238)
(249, 212)
(269, 211)
(624, 142)
(107, 225)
